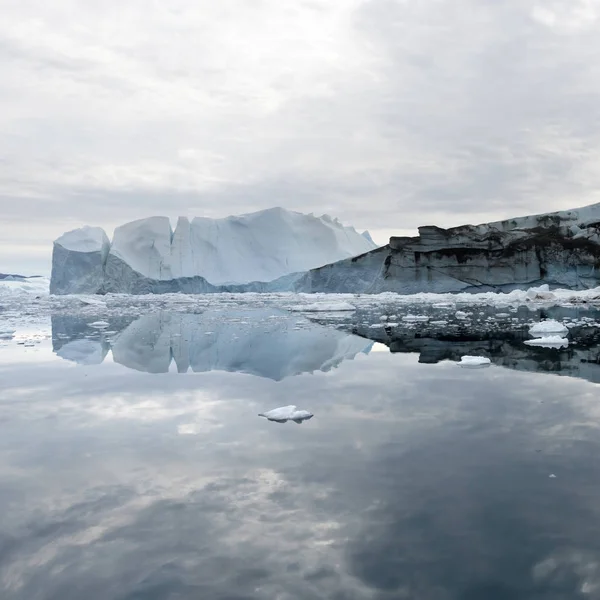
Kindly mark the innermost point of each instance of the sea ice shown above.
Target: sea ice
(474, 362)
(545, 327)
(287, 413)
(552, 341)
(323, 307)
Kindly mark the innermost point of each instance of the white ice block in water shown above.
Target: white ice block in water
(551, 341)
(323, 307)
(287, 413)
(543, 328)
(474, 362)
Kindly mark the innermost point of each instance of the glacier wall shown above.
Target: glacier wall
(202, 255)
(560, 249)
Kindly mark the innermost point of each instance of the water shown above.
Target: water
(126, 475)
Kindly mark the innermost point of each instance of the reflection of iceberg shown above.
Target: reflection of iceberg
(505, 348)
(84, 352)
(258, 342)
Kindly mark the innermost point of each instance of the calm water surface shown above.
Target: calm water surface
(133, 465)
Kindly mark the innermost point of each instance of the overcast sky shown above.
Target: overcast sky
(388, 114)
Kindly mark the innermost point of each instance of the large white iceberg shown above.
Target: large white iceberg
(201, 255)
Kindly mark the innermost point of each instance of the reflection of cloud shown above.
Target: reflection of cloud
(415, 480)
(564, 567)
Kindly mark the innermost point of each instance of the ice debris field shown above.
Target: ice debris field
(26, 308)
(30, 293)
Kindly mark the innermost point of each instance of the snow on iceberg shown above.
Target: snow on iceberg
(287, 413)
(551, 341)
(474, 362)
(543, 328)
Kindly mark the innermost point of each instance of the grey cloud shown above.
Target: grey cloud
(384, 113)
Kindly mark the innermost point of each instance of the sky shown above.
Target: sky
(387, 114)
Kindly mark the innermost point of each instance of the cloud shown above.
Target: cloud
(385, 113)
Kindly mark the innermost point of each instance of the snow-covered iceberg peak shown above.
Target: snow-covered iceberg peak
(147, 255)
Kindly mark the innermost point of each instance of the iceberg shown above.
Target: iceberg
(474, 362)
(237, 253)
(550, 341)
(78, 259)
(547, 327)
(558, 249)
(283, 414)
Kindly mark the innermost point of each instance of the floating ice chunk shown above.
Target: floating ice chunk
(474, 362)
(287, 413)
(544, 327)
(99, 325)
(323, 307)
(542, 293)
(415, 318)
(552, 341)
(90, 300)
(459, 314)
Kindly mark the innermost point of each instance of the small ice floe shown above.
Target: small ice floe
(552, 476)
(323, 307)
(543, 328)
(551, 341)
(90, 301)
(460, 314)
(287, 413)
(99, 325)
(540, 294)
(415, 318)
(474, 362)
